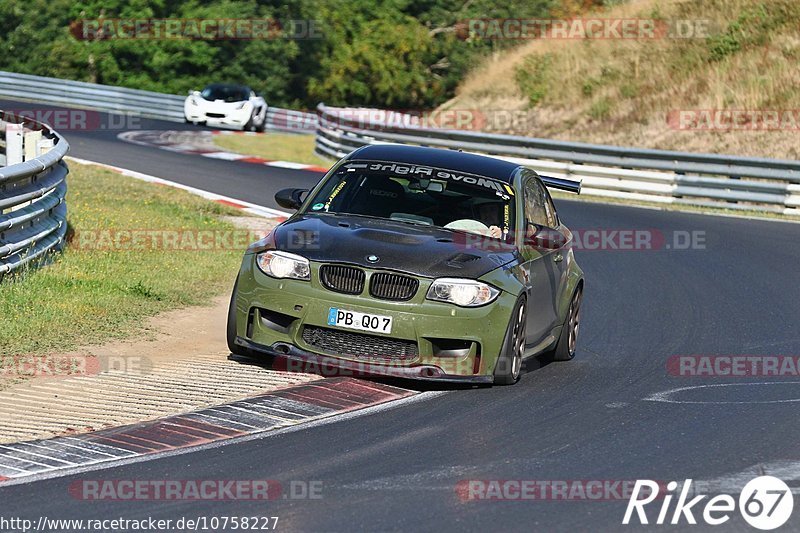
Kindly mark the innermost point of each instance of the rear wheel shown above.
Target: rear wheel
(567, 341)
(509, 364)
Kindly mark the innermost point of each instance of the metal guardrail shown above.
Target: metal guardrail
(122, 100)
(33, 210)
(743, 183)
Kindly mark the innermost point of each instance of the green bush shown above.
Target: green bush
(753, 27)
(600, 109)
(532, 79)
(383, 53)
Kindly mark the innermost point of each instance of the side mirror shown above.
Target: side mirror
(542, 237)
(290, 198)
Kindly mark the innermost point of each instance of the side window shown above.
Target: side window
(535, 210)
(552, 216)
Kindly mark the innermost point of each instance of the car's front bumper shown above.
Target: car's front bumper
(452, 343)
(294, 359)
(232, 118)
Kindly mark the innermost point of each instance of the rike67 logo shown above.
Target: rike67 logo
(765, 503)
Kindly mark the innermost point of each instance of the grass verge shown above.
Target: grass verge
(274, 146)
(96, 291)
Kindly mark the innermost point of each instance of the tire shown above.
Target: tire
(509, 365)
(231, 326)
(565, 347)
(251, 124)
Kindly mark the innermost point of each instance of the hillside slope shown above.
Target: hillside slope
(665, 93)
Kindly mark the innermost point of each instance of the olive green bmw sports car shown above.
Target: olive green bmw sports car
(417, 263)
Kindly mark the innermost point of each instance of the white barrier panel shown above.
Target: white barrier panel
(30, 144)
(14, 154)
(45, 145)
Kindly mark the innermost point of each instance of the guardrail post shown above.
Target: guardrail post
(13, 144)
(31, 144)
(45, 145)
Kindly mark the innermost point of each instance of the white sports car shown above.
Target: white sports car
(226, 106)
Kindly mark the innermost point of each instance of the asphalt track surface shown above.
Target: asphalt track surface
(588, 419)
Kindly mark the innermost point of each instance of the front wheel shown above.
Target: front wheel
(509, 364)
(567, 341)
(262, 125)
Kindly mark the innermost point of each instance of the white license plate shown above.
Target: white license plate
(363, 321)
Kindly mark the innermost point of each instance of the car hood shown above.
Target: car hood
(219, 105)
(414, 249)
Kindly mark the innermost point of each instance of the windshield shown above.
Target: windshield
(227, 93)
(419, 195)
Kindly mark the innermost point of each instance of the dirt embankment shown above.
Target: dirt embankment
(730, 86)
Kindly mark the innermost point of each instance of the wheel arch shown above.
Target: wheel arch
(574, 282)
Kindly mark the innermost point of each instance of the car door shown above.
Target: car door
(559, 241)
(543, 258)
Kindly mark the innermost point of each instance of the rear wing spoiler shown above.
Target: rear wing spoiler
(561, 184)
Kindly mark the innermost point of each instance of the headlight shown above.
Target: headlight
(192, 101)
(462, 292)
(283, 265)
(241, 105)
